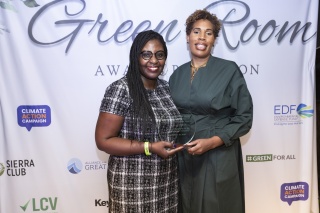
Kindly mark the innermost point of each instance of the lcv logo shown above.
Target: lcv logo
(43, 204)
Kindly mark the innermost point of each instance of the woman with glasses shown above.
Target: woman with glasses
(213, 92)
(137, 124)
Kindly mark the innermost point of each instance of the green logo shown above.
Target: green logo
(43, 204)
(259, 158)
(2, 168)
(25, 206)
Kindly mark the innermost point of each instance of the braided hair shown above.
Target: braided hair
(141, 106)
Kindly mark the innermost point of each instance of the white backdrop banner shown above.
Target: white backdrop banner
(57, 57)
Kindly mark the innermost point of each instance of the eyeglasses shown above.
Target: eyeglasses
(147, 55)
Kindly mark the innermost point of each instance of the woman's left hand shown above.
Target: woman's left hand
(200, 146)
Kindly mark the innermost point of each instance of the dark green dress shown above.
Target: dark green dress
(220, 103)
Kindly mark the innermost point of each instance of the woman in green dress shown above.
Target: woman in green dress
(213, 92)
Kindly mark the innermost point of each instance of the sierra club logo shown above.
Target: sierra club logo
(291, 114)
(42, 204)
(2, 168)
(74, 166)
(18, 167)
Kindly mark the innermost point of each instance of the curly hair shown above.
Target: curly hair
(203, 14)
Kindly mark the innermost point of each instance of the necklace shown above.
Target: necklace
(195, 69)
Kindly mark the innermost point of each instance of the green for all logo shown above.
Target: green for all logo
(44, 204)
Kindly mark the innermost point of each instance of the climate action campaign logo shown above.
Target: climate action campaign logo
(294, 191)
(34, 116)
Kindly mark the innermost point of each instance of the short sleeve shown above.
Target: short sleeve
(116, 99)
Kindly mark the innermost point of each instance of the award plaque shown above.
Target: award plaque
(188, 129)
(163, 129)
(184, 135)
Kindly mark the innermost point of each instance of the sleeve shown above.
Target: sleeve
(165, 86)
(240, 122)
(116, 99)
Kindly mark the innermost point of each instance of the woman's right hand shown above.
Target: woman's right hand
(200, 146)
(164, 149)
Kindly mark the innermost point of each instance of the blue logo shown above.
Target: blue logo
(291, 114)
(294, 192)
(74, 166)
(34, 115)
(305, 111)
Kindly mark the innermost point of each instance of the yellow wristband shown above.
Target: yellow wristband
(146, 148)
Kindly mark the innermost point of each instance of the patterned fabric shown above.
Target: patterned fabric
(140, 183)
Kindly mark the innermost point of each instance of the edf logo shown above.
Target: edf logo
(284, 109)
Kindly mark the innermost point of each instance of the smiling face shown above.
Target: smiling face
(151, 68)
(201, 39)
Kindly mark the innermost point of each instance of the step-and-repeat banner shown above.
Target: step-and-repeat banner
(57, 57)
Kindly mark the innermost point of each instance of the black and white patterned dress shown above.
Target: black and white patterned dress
(140, 183)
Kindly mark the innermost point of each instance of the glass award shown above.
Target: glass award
(164, 131)
(188, 129)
